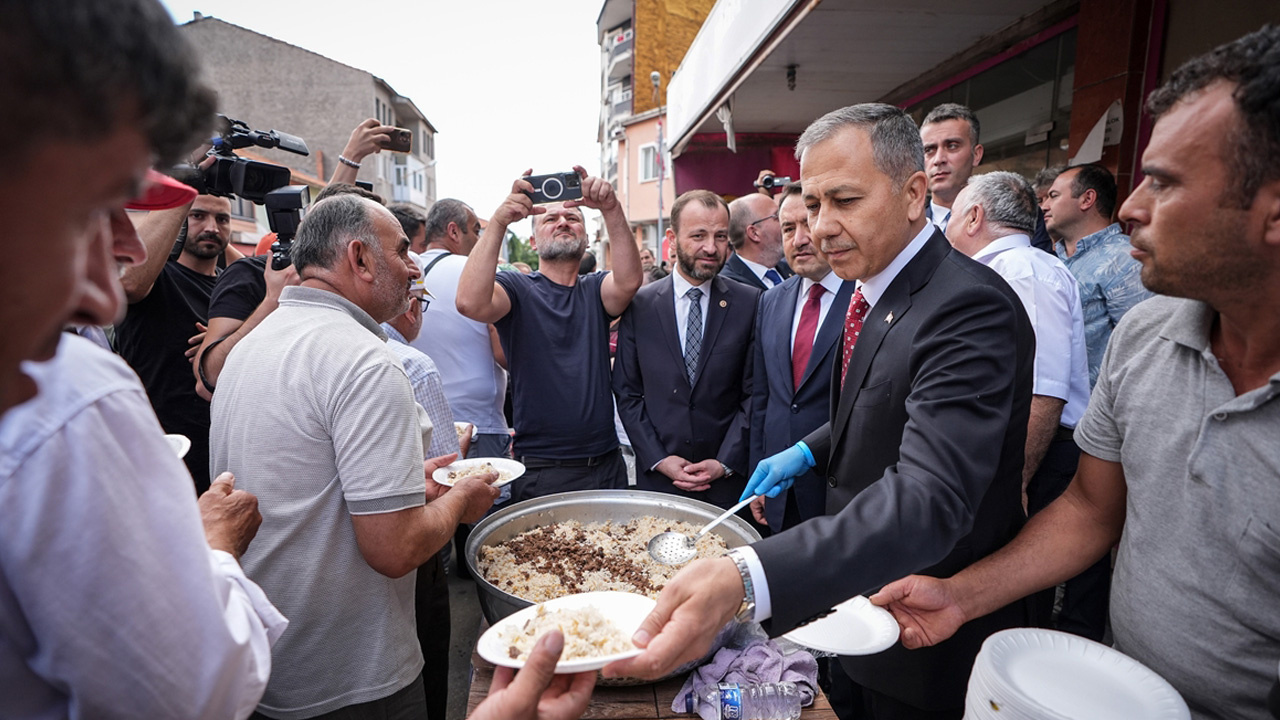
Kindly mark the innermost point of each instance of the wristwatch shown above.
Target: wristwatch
(747, 610)
(727, 470)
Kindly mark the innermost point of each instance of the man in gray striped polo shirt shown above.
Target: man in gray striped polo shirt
(314, 407)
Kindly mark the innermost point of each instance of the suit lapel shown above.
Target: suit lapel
(785, 312)
(880, 321)
(717, 308)
(740, 268)
(830, 331)
(666, 311)
(784, 270)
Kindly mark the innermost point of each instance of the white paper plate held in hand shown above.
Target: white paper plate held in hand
(181, 444)
(855, 628)
(507, 470)
(621, 613)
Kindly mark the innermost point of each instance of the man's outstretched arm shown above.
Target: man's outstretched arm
(478, 296)
(1057, 544)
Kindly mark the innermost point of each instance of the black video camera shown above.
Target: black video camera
(232, 175)
(285, 208)
(769, 182)
(556, 187)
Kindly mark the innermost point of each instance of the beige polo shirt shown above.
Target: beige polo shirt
(316, 417)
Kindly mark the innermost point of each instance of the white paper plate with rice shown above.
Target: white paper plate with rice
(597, 628)
(506, 469)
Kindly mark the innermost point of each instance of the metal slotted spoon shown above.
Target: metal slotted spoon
(673, 548)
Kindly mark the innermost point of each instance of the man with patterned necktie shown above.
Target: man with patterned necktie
(682, 374)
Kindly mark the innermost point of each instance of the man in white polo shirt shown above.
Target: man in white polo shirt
(317, 415)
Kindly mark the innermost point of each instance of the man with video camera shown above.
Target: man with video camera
(250, 289)
(168, 309)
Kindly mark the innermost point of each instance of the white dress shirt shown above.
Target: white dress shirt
(873, 288)
(832, 284)
(681, 288)
(1051, 296)
(112, 604)
(760, 270)
(940, 215)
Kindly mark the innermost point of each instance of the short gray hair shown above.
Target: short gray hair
(955, 111)
(895, 139)
(329, 226)
(1045, 177)
(1006, 198)
(443, 212)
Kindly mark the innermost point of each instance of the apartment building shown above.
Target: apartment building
(271, 84)
(642, 42)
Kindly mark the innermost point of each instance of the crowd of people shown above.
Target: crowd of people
(953, 391)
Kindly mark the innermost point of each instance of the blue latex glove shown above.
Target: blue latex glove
(774, 474)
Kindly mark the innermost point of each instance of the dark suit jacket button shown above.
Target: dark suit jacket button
(831, 481)
(692, 406)
(795, 408)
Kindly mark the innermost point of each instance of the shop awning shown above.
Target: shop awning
(780, 64)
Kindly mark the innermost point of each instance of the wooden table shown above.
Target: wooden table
(640, 702)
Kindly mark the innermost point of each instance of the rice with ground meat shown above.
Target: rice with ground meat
(572, 557)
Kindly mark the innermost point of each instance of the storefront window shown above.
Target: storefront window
(1023, 105)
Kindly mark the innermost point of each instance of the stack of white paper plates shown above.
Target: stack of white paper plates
(1033, 674)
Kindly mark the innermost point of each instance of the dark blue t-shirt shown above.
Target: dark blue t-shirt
(556, 339)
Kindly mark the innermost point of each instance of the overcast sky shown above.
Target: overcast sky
(509, 85)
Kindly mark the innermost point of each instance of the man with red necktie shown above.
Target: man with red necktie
(924, 450)
(798, 329)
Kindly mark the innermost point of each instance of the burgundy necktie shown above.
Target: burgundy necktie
(805, 331)
(858, 309)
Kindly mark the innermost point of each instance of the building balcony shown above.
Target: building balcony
(620, 43)
(409, 180)
(618, 60)
(620, 66)
(619, 106)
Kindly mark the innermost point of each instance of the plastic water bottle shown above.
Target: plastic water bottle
(730, 701)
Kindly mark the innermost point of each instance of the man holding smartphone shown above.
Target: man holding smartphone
(554, 329)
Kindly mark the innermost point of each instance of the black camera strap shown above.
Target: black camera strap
(432, 264)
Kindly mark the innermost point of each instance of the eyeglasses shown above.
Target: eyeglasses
(766, 217)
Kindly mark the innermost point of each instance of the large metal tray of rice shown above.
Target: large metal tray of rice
(646, 512)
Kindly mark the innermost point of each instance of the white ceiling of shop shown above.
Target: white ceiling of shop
(850, 51)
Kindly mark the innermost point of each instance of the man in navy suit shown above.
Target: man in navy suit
(798, 328)
(923, 453)
(682, 374)
(756, 237)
